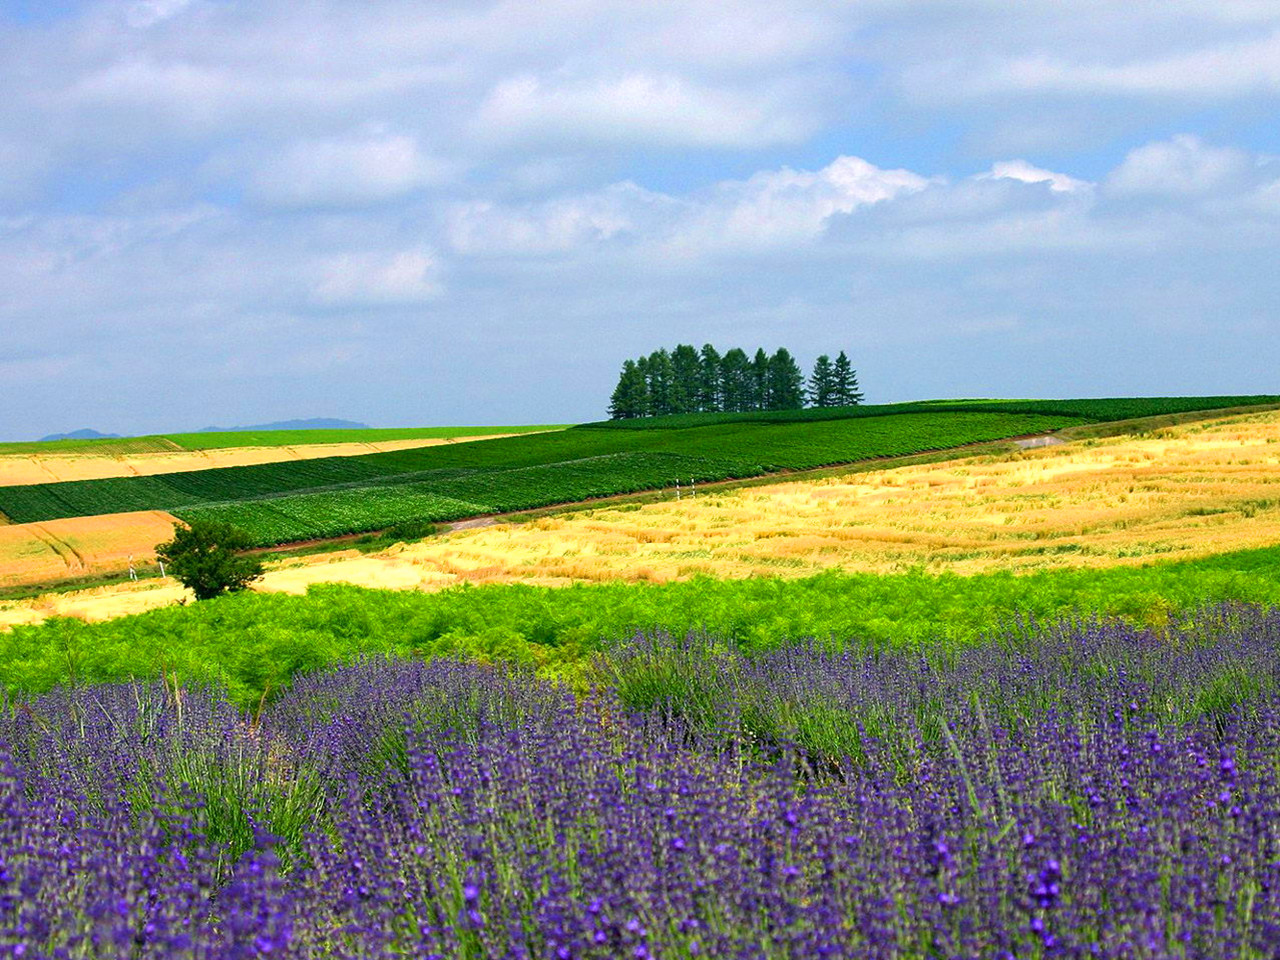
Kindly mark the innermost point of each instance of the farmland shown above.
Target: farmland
(91, 464)
(518, 472)
(678, 752)
(170, 442)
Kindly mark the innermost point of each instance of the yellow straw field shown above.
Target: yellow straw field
(55, 467)
(1185, 491)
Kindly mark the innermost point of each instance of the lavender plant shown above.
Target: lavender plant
(1082, 790)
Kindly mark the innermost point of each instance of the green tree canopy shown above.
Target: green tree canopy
(207, 558)
(822, 384)
(784, 382)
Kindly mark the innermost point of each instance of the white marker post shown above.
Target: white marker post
(133, 574)
(693, 491)
(677, 488)
(162, 573)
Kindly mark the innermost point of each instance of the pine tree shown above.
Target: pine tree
(686, 379)
(760, 399)
(630, 396)
(846, 383)
(642, 369)
(785, 382)
(822, 384)
(734, 378)
(710, 395)
(661, 383)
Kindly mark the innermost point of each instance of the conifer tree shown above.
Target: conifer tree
(846, 383)
(642, 368)
(822, 384)
(630, 396)
(710, 395)
(661, 383)
(760, 382)
(735, 381)
(686, 379)
(785, 382)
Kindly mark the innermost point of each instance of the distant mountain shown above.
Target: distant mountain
(320, 424)
(81, 435)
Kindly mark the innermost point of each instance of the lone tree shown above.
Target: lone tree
(206, 557)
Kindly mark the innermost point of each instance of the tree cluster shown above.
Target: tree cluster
(688, 380)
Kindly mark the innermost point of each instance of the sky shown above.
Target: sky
(466, 212)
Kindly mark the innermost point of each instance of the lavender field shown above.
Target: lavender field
(1084, 790)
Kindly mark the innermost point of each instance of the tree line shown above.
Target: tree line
(688, 380)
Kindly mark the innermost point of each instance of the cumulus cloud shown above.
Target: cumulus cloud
(373, 279)
(1024, 172)
(348, 171)
(765, 212)
(1183, 166)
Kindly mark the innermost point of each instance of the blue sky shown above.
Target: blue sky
(222, 211)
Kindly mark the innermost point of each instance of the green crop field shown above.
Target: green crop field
(1098, 410)
(530, 471)
(337, 495)
(170, 442)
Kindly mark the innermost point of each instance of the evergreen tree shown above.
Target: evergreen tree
(760, 399)
(686, 379)
(822, 384)
(642, 369)
(785, 389)
(710, 395)
(846, 383)
(734, 379)
(661, 383)
(630, 397)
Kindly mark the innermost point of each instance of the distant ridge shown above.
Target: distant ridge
(85, 434)
(317, 424)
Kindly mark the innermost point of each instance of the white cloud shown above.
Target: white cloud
(371, 279)
(484, 228)
(1026, 173)
(1182, 166)
(768, 211)
(147, 13)
(351, 171)
(643, 108)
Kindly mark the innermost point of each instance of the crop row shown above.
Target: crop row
(455, 495)
(751, 448)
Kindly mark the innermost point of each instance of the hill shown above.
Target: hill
(313, 424)
(85, 434)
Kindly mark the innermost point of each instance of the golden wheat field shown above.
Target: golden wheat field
(55, 467)
(1181, 492)
(1185, 491)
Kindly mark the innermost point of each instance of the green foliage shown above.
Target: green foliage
(204, 556)
(253, 643)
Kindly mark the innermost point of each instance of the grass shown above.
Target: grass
(254, 644)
